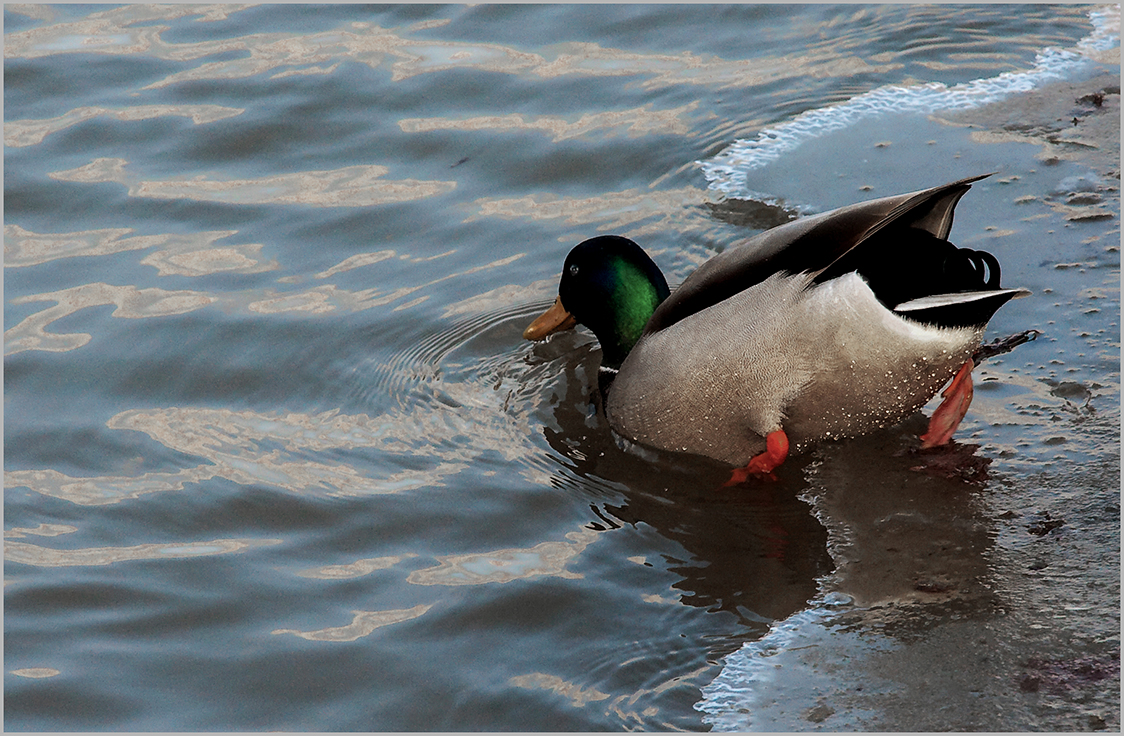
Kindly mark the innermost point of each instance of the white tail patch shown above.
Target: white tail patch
(945, 300)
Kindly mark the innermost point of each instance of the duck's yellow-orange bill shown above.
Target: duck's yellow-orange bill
(552, 320)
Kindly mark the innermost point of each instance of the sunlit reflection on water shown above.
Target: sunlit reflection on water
(31, 554)
(363, 624)
(502, 566)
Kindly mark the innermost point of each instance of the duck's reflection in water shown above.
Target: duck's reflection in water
(907, 528)
(755, 551)
(887, 525)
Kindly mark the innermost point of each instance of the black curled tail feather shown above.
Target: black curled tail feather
(985, 268)
(902, 264)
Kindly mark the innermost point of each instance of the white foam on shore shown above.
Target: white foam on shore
(774, 684)
(726, 172)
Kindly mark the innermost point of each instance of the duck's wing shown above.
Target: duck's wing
(810, 244)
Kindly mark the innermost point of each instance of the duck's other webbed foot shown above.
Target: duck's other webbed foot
(1002, 345)
(957, 398)
(763, 465)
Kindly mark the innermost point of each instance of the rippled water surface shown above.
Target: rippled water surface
(276, 455)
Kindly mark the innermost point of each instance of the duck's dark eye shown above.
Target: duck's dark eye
(574, 270)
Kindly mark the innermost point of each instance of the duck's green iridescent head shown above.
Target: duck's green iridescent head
(610, 285)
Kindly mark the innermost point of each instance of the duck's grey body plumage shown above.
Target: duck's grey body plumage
(824, 363)
(829, 326)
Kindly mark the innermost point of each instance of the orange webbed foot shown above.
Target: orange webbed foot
(763, 465)
(957, 397)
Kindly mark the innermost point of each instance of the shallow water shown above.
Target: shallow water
(276, 456)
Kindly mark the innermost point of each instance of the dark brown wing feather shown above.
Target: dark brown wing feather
(812, 244)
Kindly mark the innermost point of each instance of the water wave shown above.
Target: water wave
(743, 696)
(726, 172)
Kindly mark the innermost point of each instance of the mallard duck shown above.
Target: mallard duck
(826, 327)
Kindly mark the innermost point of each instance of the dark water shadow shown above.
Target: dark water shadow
(911, 531)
